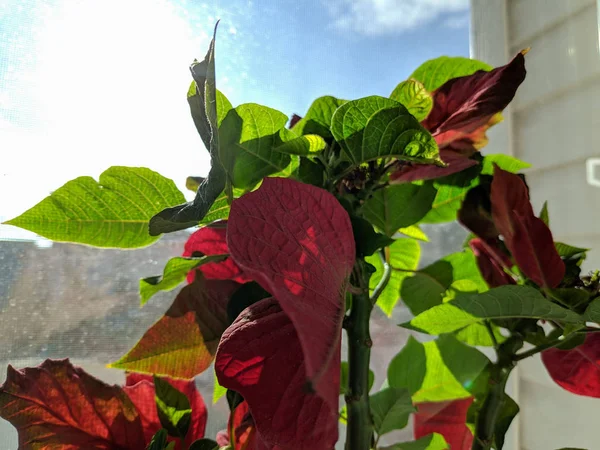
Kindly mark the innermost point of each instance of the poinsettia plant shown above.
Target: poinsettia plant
(303, 227)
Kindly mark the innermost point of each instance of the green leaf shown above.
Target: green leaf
(509, 411)
(310, 172)
(421, 292)
(451, 191)
(159, 441)
(193, 183)
(173, 407)
(390, 408)
(414, 232)
(398, 206)
(592, 313)
(204, 444)
(378, 127)
(423, 369)
(344, 377)
(436, 72)
(174, 273)
(403, 256)
(504, 302)
(413, 95)
(544, 214)
(249, 137)
(477, 335)
(206, 113)
(318, 117)
(300, 145)
(113, 212)
(218, 211)
(368, 241)
(218, 391)
(432, 441)
(407, 369)
(568, 251)
(505, 162)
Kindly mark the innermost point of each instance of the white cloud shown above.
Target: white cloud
(378, 17)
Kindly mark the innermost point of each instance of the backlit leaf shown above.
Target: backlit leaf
(377, 127)
(183, 342)
(432, 441)
(435, 72)
(296, 240)
(398, 206)
(57, 405)
(390, 408)
(112, 212)
(413, 95)
(174, 409)
(260, 356)
(301, 145)
(318, 117)
(174, 273)
(504, 302)
(414, 232)
(505, 162)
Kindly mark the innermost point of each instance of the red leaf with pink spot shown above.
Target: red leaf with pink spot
(490, 264)
(446, 418)
(140, 389)
(527, 237)
(456, 161)
(576, 370)
(260, 356)
(296, 240)
(57, 405)
(212, 240)
(463, 106)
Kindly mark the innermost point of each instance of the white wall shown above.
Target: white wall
(553, 123)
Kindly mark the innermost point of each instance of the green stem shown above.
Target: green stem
(492, 405)
(359, 431)
(385, 279)
(541, 348)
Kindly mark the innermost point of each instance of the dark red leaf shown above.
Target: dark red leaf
(464, 107)
(296, 240)
(447, 418)
(294, 120)
(140, 389)
(260, 357)
(212, 240)
(241, 426)
(456, 161)
(527, 237)
(576, 370)
(490, 264)
(183, 342)
(57, 405)
(475, 212)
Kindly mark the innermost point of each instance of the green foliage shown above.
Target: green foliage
(391, 408)
(403, 257)
(433, 441)
(318, 117)
(435, 72)
(398, 206)
(505, 162)
(173, 407)
(505, 302)
(174, 273)
(112, 212)
(159, 441)
(204, 444)
(413, 95)
(377, 127)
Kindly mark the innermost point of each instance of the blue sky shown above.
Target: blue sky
(87, 84)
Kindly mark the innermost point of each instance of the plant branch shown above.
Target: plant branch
(385, 279)
(542, 347)
(359, 431)
(490, 330)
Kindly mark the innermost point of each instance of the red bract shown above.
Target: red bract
(490, 264)
(447, 418)
(212, 240)
(260, 357)
(296, 240)
(576, 370)
(57, 405)
(527, 237)
(140, 389)
(463, 109)
(241, 428)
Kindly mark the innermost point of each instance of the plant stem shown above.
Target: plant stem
(492, 405)
(541, 348)
(385, 279)
(359, 431)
